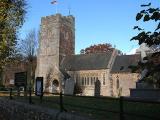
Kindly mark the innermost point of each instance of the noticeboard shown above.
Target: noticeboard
(20, 79)
(39, 86)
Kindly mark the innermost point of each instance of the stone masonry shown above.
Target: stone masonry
(56, 59)
(57, 52)
(57, 39)
(123, 82)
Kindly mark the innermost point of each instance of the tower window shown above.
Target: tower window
(117, 83)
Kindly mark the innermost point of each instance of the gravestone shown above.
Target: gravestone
(69, 87)
(97, 90)
(143, 89)
(143, 50)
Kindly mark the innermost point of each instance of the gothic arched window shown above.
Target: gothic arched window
(117, 83)
(92, 81)
(76, 80)
(104, 79)
(87, 80)
(82, 80)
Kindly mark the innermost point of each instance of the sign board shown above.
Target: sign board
(39, 86)
(20, 79)
(11, 82)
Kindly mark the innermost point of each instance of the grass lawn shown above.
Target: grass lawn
(98, 108)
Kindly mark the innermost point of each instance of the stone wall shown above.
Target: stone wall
(109, 85)
(12, 68)
(57, 39)
(125, 81)
(91, 75)
(67, 36)
(48, 53)
(11, 110)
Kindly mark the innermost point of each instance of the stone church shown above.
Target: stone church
(57, 59)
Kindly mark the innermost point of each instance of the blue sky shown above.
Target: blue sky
(97, 21)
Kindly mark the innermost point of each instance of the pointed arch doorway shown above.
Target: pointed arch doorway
(55, 85)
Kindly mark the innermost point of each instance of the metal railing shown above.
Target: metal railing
(121, 112)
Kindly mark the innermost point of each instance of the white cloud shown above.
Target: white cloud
(132, 51)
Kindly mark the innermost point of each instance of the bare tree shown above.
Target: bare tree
(28, 46)
(28, 49)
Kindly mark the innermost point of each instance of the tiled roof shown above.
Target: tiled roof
(122, 62)
(94, 61)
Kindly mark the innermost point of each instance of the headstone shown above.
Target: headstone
(97, 88)
(69, 87)
(143, 51)
(143, 89)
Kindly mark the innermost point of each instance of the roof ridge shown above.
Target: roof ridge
(92, 53)
(129, 55)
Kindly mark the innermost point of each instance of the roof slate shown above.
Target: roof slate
(94, 61)
(122, 63)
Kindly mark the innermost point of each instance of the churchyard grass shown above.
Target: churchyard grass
(104, 108)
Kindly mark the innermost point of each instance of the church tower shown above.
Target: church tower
(57, 40)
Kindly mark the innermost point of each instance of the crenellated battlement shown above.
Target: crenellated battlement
(70, 20)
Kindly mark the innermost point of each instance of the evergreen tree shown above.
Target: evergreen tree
(12, 14)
